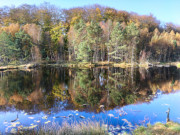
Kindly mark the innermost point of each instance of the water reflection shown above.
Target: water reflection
(60, 90)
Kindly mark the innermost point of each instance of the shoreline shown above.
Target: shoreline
(22, 67)
(87, 65)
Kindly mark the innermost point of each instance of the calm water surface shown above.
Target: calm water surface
(130, 97)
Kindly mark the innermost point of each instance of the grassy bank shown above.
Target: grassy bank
(170, 128)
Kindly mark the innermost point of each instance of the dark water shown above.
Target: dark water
(130, 97)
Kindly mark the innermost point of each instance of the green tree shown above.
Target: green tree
(23, 44)
(132, 39)
(82, 49)
(94, 39)
(7, 48)
(117, 43)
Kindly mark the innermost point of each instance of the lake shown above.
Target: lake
(119, 98)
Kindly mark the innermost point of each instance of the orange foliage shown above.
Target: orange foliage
(34, 31)
(16, 98)
(12, 28)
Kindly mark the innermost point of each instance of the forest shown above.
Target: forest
(93, 34)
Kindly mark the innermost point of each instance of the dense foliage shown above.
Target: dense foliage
(84, 34)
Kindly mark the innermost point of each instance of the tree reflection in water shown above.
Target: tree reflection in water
(54, 89)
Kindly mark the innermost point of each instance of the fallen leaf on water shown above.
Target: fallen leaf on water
(31, 117)
(47, 122)
(93, 116)
(38, 121)
(45, 117)
(31, 127)
(25, 114)
(82, 117)
(110, 115)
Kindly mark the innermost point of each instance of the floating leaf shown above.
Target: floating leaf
(47, 122)
(82, 117)
(45, 117)
(31, 127)
(31, 117)
(110, 115)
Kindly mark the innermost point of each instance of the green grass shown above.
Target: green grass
(170, 128)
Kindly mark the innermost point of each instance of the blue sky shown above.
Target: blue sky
(164, 10)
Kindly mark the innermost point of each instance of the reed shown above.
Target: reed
(81, 128)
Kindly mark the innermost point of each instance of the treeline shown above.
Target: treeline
(84, 34)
